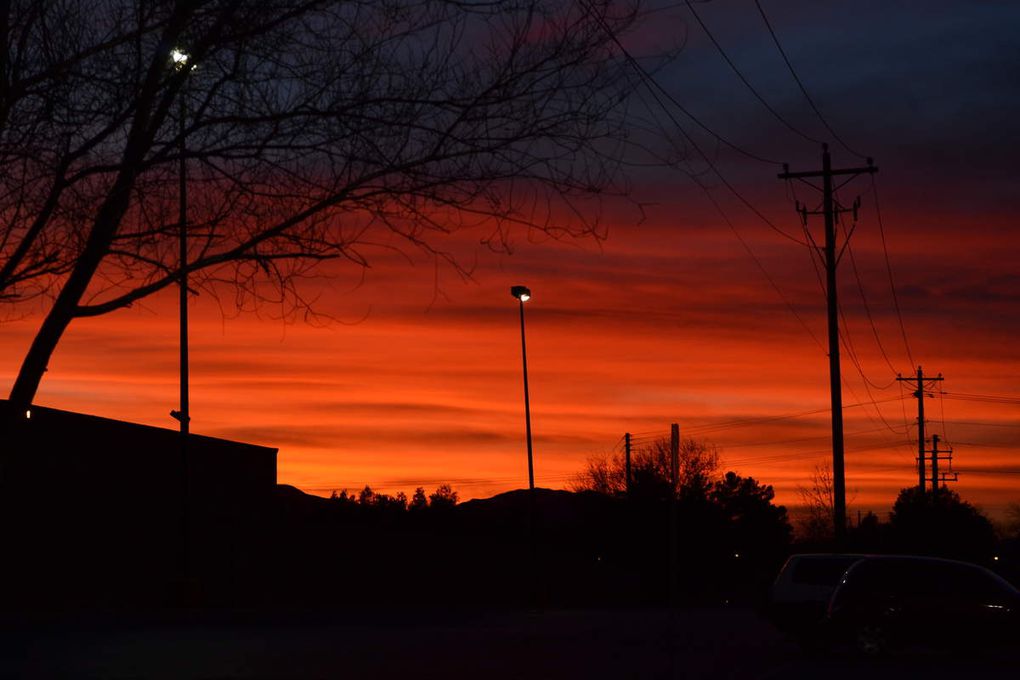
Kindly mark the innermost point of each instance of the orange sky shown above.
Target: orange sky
(408, 390)
(418, 382)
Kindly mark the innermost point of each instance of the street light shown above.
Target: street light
(180, 63)
(523, 294)
(179, 58)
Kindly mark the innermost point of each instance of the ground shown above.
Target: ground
(645, 643)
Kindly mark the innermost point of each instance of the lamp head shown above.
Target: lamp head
(179, 58)
(522, 293)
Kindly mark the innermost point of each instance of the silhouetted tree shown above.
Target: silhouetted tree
(343, 498)
(444, 497)
(366, 497)
(650, 470)
(754, 523)
(387, 504)
(419, 501)
(1009, 546)
(941, 524)
(1011, 527)
(815, 525)
(311, 130)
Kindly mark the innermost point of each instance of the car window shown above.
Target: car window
(977, 584)
(894, 576)
(821, 571)
(924, 578)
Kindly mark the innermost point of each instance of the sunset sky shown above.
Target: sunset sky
(417, 379)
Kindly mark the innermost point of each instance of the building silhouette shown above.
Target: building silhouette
(101, 511)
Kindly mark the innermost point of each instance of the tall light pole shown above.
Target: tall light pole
(180, 61)
(523, 294)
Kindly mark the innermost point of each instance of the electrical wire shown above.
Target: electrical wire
(654, 85)
(985, 398)
(746, 82)
(979, 423)
(744, 422)
(942, 413)
(658, 92)
(867, 307)
(800, 84)
(773, 442)
(903, 404)
(761, 268)
(888, 268)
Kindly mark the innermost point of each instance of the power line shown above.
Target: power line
(745, 81)
(800, 84)
(942, 412)
(888, 268)
(654, 85)
(761, 268)
(743, 422)
(847, 337)
(867, 307)
(861, 449)
(979, 423)
(656, 89)
(773, 442)
(986, 398)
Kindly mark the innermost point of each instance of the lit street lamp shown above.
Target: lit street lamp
(523, 294)
(180, 63)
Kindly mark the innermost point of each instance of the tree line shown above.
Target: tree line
(367, 500)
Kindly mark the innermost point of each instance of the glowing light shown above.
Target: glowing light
(522, 293)
(179, 58)
(28, 415)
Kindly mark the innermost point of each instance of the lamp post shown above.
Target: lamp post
(523, 294)
(180, 62)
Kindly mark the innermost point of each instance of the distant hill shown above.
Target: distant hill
(557, 508)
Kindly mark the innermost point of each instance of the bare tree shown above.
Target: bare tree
(815, 524)
(309, 130)
(650, 470)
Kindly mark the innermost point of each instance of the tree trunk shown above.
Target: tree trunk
(64, 308)
(100, 236)
(38, 357)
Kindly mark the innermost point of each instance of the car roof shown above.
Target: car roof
(812, 556)
(866, 563)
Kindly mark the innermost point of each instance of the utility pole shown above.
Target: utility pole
(674, 476)
(936, 476)
(830, 210)
(920, 394)
(674, 455)
(626, 459)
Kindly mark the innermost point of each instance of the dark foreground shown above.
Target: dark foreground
(647, 643)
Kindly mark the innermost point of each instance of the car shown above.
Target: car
(800, 594)
(886, 603)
